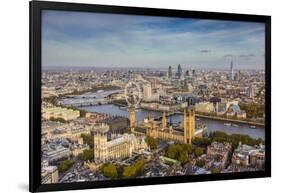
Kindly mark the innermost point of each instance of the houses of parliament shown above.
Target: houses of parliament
(160, 129)
(115, 147)
(123, 145)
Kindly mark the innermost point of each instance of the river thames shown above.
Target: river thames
(213, 125)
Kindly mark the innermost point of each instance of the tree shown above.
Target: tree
(215, 171)
(218, 134)
(87, 154)
(253, 110)
(172, 151)
(201, 141)
(200, 163)
(151, 142)
(51, 99)
(134, 170)
(198, 151)
(129, 172)
(65, 165)
(110, 171)
(58, 120)
(183, 158)
(179, 152)
(120, 170)
(128, 130)
(139, 165)
(234, 139)
(88, 139)
(187, 148)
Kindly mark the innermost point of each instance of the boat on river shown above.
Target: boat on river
(227, 124)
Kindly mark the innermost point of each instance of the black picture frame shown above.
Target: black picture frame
(35, 94)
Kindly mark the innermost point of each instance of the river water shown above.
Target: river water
(213, 125)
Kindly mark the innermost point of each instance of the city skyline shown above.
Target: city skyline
(122, 124)
(71, 39)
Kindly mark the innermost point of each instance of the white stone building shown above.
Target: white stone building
(118, 147)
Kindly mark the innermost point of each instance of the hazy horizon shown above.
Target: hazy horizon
(73, 39)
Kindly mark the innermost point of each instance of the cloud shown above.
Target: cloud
(228, 55)
(246, 55)
(76, 38)
(205, 51)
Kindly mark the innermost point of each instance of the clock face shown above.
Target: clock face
(133, 94)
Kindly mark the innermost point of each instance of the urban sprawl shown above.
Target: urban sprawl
(81, 143)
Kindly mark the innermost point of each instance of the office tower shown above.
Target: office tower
(179, 72)
(187, 73)
(170, 73)
(237, 76)
(251, 91)
(147, 92)
(193, 72)
(231, 74)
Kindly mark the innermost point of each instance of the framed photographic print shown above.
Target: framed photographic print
(126, 96)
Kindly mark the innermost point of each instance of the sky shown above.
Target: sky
(73, 39)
